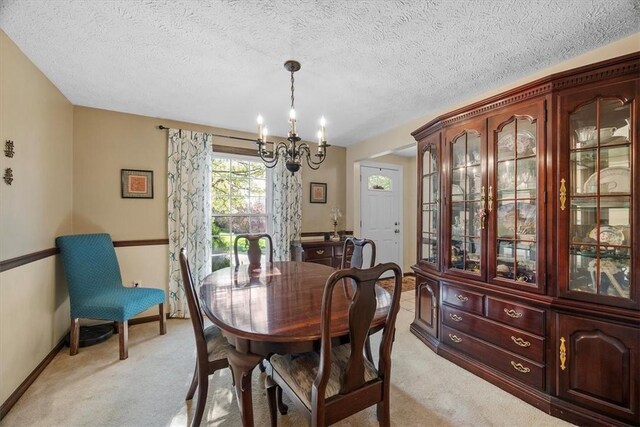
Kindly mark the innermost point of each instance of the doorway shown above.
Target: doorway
(381, 209)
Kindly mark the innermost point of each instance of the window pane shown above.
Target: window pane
(379, 182)
(239, 189)
(259, 224)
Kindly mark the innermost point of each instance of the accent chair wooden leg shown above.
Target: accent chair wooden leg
(194, 384)
(163, 319)
(123, 335)
(74, 338)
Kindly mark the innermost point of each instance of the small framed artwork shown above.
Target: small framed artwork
(318, 192)
(136, 184)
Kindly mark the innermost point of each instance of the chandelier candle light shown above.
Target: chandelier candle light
(292, 152)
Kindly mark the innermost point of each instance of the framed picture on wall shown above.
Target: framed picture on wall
(136, 184)
(318, 193)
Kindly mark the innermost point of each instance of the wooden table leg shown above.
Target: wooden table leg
(242, 365)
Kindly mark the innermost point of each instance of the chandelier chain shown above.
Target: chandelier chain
(292, 89)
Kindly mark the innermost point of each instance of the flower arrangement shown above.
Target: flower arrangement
(335, 215)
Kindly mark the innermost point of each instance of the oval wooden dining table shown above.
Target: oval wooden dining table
(275, 308)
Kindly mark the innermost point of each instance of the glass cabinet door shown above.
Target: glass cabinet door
(599, 199)
(467, 210)
(515, 187)
(597, 207)
(430, 205)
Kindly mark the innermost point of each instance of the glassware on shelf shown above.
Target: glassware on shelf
(600, 199)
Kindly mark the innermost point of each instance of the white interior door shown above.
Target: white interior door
(381, 210)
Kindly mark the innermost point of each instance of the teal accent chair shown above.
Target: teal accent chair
(96, 290)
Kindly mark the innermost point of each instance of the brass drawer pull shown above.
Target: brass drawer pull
(320, 251)
(563, 354)
(455, 317)
(455, 338)
(518, 367)
(519, 341)
(462, 298)
(513, 313)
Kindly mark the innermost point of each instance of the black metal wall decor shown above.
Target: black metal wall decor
(8, 148)
(8, 176)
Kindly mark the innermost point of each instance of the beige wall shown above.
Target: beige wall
(107, 141)
(36, 208)
(400, 136)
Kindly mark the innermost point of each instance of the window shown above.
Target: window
(240, 205)
(379, 182)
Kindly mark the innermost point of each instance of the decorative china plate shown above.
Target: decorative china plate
(615, 179)
(525, 142)
(608, 234)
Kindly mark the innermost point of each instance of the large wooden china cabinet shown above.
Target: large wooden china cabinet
(528, 269)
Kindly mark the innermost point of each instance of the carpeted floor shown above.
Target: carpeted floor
(95, 388)
(408, 283)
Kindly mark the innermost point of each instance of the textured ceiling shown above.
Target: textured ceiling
(368, 66)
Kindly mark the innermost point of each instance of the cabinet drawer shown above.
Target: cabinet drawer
(318, 252)
(516, 367)
(522, 317)
(466, 300)
(511, 339)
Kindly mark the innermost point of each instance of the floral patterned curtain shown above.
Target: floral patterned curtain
(286, 210)
(189, 208)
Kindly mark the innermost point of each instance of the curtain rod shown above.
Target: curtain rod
(161, 127)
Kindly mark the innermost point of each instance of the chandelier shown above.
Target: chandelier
(292, 152)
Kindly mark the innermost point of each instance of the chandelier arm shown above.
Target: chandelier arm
(304, 148)
(271, 162)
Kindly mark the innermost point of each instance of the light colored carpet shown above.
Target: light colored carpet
(94, 388)
(408, 283)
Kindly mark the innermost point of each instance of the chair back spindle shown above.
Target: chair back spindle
(361, 313)
(357, 256)
(254, 253)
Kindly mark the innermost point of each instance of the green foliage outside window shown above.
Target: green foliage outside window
(239, 205)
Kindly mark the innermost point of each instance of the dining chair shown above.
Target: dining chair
(254, 253)
(96, 290)
(357, 256)
(340, 381)
(356, 261)
(211, 345)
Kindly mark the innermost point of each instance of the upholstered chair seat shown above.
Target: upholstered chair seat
(119, 304)
(300, 371)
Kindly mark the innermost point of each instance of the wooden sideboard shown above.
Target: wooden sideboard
(320, 251)
(528, 243)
